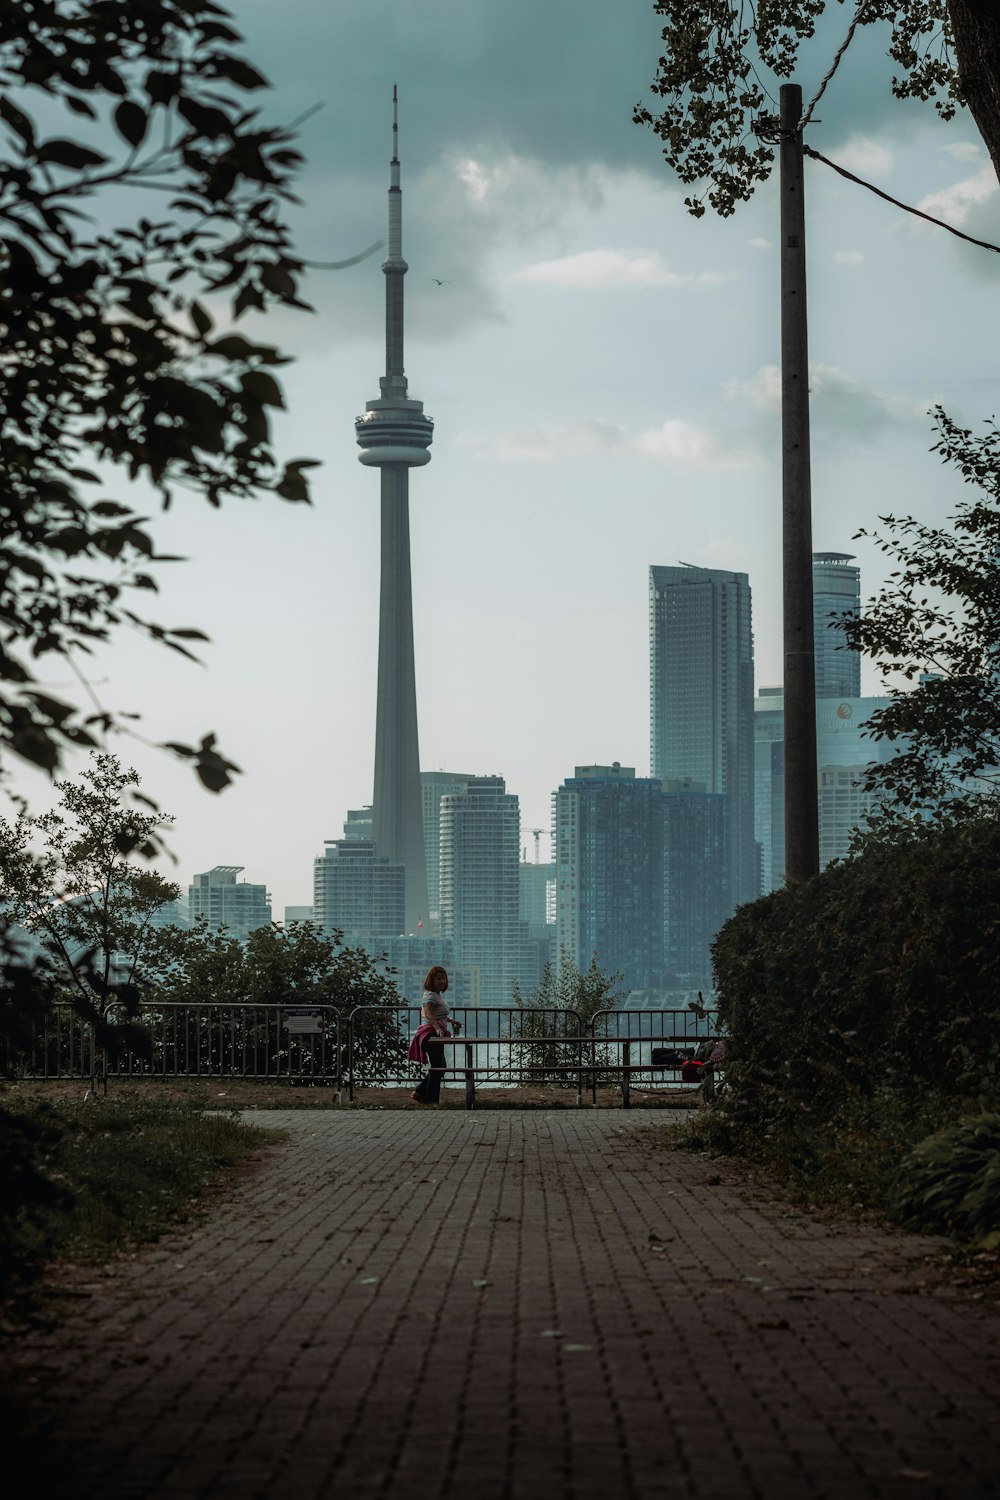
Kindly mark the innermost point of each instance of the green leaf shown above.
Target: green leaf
(236, 71)
(17, 120)
(162, 87)
(200, 318)
(131, 122)
(263, 388)
(233, 346)
(61, 153)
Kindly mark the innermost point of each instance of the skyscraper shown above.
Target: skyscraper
(433, 786)
(480, 844)
(843, 750)
(394, 435)
(609, 874)
(695, 886)
(224, 901)
(701, 697)
(769, 785)
(836, 591)
(357, 891)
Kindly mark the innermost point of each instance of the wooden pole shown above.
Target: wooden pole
(801, 797)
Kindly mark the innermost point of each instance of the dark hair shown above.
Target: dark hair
(432, 974)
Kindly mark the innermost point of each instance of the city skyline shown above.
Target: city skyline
(603, 369)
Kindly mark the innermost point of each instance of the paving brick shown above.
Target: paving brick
(652, 1327)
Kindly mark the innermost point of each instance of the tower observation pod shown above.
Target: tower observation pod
(394, 436)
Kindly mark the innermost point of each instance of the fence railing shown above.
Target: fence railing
(499, 1047)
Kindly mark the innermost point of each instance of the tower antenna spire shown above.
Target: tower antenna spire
(394, 435)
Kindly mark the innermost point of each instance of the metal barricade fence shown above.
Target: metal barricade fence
(177, 1040)
(631, 1039)
(62, 1045)
(553, 1042)
(500, 1046)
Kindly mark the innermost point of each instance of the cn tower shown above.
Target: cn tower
(394, 435)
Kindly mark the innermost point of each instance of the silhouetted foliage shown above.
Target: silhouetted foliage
(950, 1183)
(716, 51)
(937, 620)
(111, 357)
(70, 879)
(862, 1010)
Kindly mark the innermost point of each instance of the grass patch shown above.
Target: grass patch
(89, 1180)
(848, 1165)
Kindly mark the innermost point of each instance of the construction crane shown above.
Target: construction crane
(538, 834)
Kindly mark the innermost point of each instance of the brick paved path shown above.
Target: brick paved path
(508, 1305)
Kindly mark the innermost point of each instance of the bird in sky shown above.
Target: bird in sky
(436, 282)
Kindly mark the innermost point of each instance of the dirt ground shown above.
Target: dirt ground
(244, 1093)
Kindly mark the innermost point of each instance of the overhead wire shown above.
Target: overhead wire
(906, 207)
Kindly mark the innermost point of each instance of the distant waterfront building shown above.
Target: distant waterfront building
(836, 592)
(224, 901)
(480, 844)
(696, 892)
(357, 892)
(537, 896)
(609, 873)
(769, 785)
(701, 698)
(405, 960)
(537, 916)
(359, 824)
(298, 914)
(844, 805)
(171, 914)
(433, 786)
(843, 750)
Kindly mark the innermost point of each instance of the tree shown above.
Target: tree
(81, 895)
(110, 355)
(947, 51)
(299, 966)
(545, 1012)
(937, 620)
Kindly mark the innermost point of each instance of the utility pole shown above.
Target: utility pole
(801, 797)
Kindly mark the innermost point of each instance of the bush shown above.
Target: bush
(883, 971)
(862, 1011)
(950, 1183)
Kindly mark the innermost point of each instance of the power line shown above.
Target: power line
(906, 207)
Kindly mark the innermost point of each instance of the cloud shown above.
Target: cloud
(759, 244)
(675, 441)
(864, 157)
(954, 204)
(839, 403)
(612, 268)
(548, 443)
(519, 195)
(683, 442)
(848, 257)
(965, 150)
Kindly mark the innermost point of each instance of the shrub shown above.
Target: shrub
(862, 1012)
(950, 1182)
(881, 972)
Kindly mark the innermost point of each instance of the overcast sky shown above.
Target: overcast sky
(602, 373)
